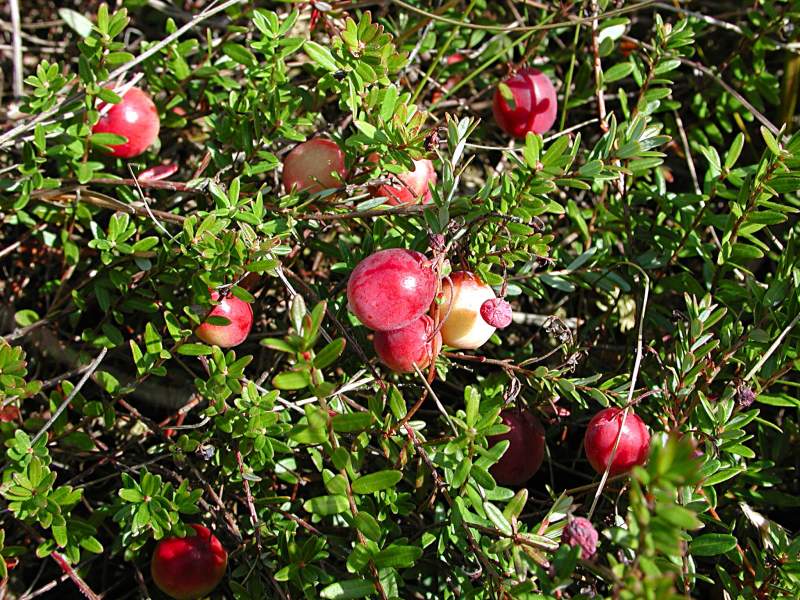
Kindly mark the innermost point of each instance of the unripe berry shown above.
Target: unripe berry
(601, 435)
(309, 166)
(191, 567)
(526, 450)
(535, 104)
(413, 187)
(414, 344)
(391, 288)
(135, 118)
(240, 320)
(464, 327)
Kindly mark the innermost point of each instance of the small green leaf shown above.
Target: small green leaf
(497, 518)
(326, 505)
(26, 317)
(80, 24)
(712, 544)
(516, 505)
(240, 54)
(131, 495)
(91, 544)
(329, 354)
(292, 380)
(373, 482)
(279, 345)
(321, 56)
(108, 139)
(679, 516)
(665, 66)
(348, 589)
(617, 72)
(397, 556)
(350, 422)
(734, 151)
(297, 311)
(367, 525)
(389, 103)
(194, 350)
(770, 140)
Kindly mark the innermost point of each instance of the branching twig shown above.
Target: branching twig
(598, 69)
(63, 406)
(442, 487)
(765, 357)
(250, 505)
(16, 40)
(73, 575)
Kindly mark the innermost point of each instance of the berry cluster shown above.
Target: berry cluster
(412, 309)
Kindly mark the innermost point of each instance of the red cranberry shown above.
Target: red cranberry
(535, 104)
(189, 568)
(601, 435)
(526, 450)
(135, 118)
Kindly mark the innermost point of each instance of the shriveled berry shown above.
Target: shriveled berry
(497, 313)
(580, 532)
(745, 396)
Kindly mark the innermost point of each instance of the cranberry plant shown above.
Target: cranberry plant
(271, 325)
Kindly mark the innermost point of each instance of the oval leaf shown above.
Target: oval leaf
(374, 482)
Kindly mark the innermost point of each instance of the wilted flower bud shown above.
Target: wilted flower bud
(436, 242)
(745, 396)
(580, 532)
(496, 312)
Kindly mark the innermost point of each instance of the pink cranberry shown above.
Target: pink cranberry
(309, 166)
(240, 320)
(413, 186)
(414, 344)
(391, 288)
